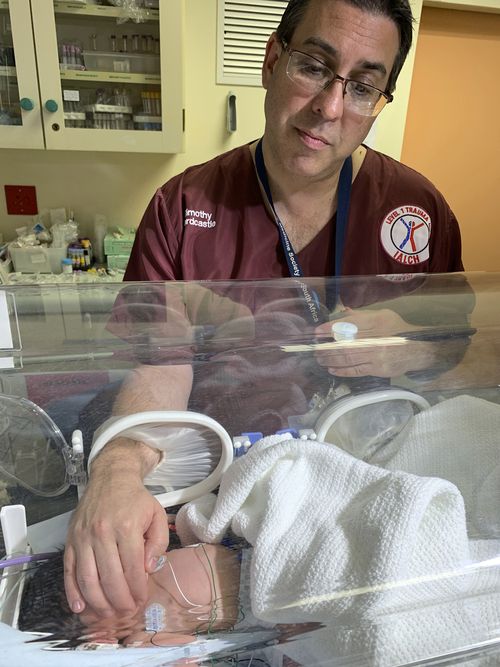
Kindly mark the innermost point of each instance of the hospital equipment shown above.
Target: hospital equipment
(253, 352)
(196, 450)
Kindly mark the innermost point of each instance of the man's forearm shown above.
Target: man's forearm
(123, 457)
(155, 388)
(146, 388)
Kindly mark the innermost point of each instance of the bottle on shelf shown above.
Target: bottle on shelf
(67, 265)
(87, 252)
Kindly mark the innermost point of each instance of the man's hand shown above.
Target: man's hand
(377, 349)
(116, 536)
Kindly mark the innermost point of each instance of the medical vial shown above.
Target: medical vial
(67, 265)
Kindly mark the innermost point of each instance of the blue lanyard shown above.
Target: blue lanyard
(344, 197)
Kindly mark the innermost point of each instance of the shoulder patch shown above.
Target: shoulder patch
(405, 234)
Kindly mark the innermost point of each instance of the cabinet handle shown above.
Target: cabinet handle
(51, 105)
(27, 104)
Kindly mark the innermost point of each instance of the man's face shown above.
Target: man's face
(311, 135)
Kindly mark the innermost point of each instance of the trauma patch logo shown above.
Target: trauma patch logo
(198, 218)
(405, 234)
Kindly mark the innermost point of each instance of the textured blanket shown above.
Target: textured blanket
(376, 550)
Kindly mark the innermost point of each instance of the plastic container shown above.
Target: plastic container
(67, 265)
(37, 259)
(344, 331)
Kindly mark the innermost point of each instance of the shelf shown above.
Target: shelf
(125, 77)
(7, 71)
(74, 115)
(66, 7)
(108, 108)
(147, 119)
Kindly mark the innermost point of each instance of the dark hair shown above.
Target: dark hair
(44, 607)
(398, 11)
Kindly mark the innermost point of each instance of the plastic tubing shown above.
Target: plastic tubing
(28, 558)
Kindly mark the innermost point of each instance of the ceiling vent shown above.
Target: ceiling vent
(243, 30)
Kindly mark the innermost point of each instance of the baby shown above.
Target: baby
(195, 591)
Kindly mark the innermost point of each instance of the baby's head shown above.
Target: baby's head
(195, 592)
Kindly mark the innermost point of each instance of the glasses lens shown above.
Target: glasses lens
(363, 99)
(307, 72)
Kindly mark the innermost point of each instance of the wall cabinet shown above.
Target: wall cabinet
(84, 75)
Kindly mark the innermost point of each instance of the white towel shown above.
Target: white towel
(325, 527)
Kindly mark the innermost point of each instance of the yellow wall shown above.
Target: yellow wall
(452, 131)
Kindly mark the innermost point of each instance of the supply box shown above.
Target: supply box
(119, 245)
(37, 259)
(117, 261)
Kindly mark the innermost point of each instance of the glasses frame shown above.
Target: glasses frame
(336, 77)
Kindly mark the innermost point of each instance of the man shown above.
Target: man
(214, 221)
(328, 71)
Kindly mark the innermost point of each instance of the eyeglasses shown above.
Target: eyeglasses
(313, 76)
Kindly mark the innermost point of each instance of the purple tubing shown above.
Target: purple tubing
(28, 558)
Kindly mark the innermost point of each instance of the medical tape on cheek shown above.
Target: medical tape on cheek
(154, 617)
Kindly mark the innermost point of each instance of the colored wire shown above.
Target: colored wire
(211, 617)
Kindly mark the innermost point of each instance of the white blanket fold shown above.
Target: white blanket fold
(333, 535)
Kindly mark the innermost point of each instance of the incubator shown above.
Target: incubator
(347, 469)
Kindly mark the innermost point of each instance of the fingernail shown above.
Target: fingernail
(160, 562)
(77, 606)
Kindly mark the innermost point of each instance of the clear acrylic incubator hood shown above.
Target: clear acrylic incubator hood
(335, 461)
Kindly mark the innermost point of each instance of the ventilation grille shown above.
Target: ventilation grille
(243, 30)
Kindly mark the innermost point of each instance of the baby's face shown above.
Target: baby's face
(196, 591)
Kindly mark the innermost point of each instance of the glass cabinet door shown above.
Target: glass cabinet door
(10, 109)
(20, 120)
(110, 74)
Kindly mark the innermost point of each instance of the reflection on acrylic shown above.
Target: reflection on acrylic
(197, 607)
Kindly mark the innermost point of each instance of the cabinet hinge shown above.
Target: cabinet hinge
(184, 120)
